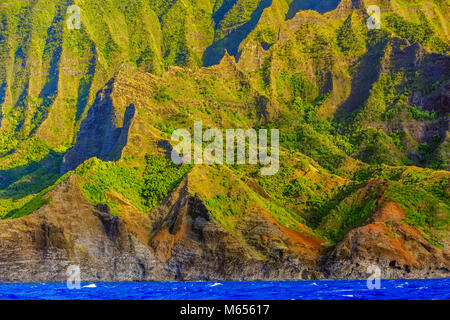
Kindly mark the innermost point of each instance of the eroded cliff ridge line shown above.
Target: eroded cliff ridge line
(182, 241)
(356, 109)
(179, 242)
(103, 133)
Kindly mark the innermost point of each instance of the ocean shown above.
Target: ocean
(406, 289)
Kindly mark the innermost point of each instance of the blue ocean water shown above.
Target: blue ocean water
(406, 289)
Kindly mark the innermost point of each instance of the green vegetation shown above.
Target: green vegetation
(423, 209)
(416, 32)
(239, 14)
(161, 176)
(346, 38)
(349, 214)
(107, 182)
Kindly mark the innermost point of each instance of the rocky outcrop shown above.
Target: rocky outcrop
(399, 250)
(100, 132)
(196, 247)
(345, 7)
(181, 240)
(264, 82)
(70, 231)
(438, 100)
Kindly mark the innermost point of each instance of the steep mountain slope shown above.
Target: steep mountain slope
(87, 115)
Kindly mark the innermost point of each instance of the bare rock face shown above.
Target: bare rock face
(439, 100)
(347, 6)
(398, 250)
(193, 246)
(180, 241)
(70, 231)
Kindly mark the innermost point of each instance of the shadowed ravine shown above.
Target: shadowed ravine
(231, 42)
(320, 6)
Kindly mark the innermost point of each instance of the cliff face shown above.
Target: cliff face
(87, 116)
(194, 246)
(100, 134)
(40, 247)
(398, 250)
(182, 241)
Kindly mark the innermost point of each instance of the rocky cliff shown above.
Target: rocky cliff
(182, 241)
(86, 117)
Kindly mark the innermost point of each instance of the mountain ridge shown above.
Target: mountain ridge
(87, 115)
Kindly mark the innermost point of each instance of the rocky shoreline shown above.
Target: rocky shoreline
(180, 241)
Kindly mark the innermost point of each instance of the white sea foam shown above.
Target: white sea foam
(92, 285)
(215, 284)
